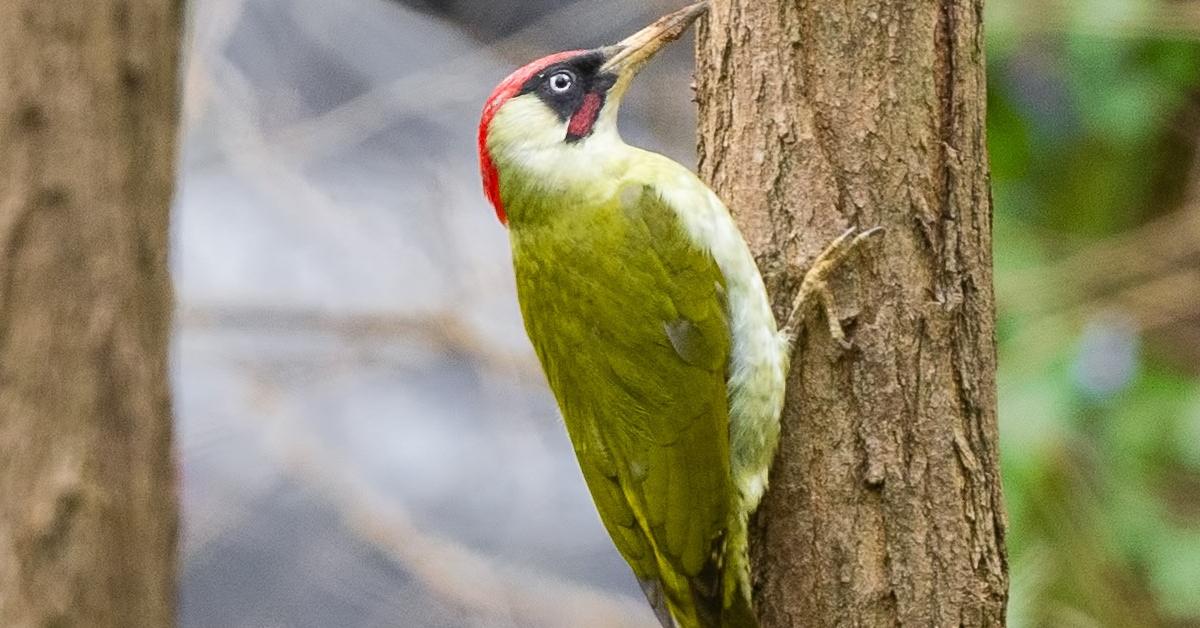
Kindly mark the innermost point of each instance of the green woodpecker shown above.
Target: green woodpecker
(651, 322)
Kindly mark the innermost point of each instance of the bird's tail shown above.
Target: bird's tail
(718, 597)
(737, 614)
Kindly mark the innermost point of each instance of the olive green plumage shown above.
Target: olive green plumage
(628, 319)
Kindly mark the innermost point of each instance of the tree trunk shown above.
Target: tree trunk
(885, 505)
(88, 102)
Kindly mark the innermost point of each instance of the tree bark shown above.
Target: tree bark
(885, 505)
(88, 108)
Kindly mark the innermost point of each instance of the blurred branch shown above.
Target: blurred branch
(1160, 247)
(1150, 274)
(1153, 249)
(276, 176)
(455, 81)
(1151, 305)
(448, 569)
(1155, 20)
(1158, 303)
(444, 330)
(211, 25)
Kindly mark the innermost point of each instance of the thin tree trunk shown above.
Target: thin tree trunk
(885, 505)
(88, 103)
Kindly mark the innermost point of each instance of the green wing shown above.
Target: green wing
(628, 320)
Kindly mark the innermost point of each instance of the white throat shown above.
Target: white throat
(527, 136)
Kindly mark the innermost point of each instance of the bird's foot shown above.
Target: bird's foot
(815, 288)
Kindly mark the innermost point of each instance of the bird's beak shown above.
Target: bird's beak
(629, 56)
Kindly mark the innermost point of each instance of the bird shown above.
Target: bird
(651, 322)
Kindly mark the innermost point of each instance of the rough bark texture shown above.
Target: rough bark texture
(885, 505)
(88, 105)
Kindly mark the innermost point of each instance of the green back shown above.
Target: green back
(628, 320)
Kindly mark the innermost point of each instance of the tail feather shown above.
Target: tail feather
(658, 601)
(717, 597)
(737, 612)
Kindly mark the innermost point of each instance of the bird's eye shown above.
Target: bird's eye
(561, 82)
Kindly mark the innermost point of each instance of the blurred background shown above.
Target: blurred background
(364, 434)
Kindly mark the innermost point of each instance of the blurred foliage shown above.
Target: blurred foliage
(1094, 125)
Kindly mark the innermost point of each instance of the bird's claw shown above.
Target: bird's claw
(815, 288)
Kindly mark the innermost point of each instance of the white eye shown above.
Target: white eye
(561, 82)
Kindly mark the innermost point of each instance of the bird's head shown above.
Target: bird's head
(551, 110)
